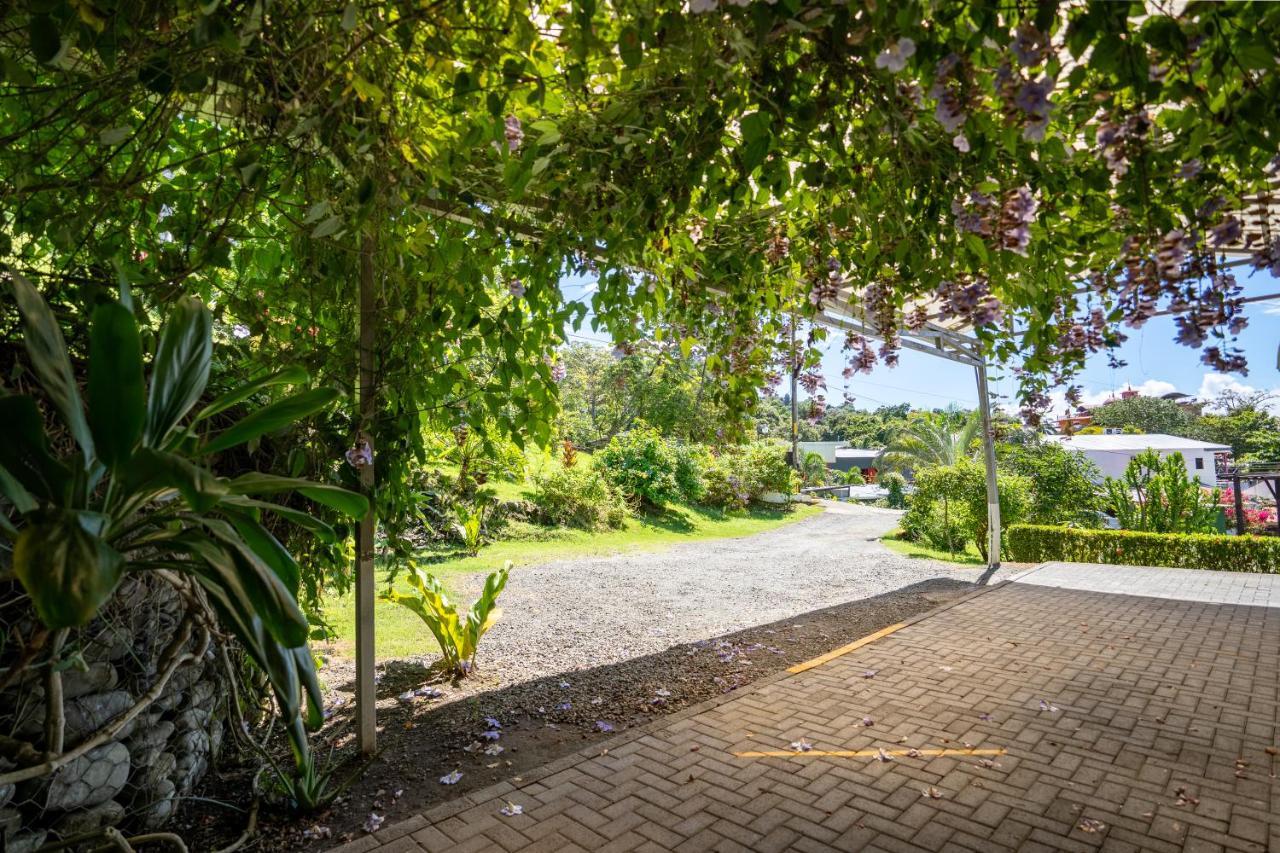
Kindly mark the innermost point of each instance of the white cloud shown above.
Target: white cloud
(1090, 399)
(1214, 384)
(1271, 307)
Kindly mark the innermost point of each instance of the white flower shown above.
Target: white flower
(895, 56)
(452, 778)
(512, 809)
(240, 330)
(961, 142)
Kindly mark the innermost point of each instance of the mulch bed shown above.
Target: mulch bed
(422, 740)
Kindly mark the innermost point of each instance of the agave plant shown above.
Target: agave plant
(136, 494)
(458, 637)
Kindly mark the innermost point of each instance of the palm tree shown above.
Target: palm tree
(814, 469)
(930, 442)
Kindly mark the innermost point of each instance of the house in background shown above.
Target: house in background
(841, 457)
(1111, 453)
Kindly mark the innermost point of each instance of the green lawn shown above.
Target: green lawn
(922, 550)
(401, 633)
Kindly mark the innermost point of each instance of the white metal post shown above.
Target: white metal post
(989, 458)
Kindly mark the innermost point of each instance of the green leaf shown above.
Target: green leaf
(268, 549)
(334, 497)
(278, 415)
(66, 567)
(49, 360)
(306, 521)
(181, 369)
(629, 47)
(350, 17)
(15, 492)
(46, 41)
(152, 469)
(292, 375)
(24, 452)
(247, 580)
(117, 391)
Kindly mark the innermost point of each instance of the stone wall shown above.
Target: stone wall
(136, 780)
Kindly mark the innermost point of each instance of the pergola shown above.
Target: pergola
(950, 338)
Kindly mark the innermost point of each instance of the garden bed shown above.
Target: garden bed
(423, 739)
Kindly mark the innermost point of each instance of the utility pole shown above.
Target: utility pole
(366, 690)
(795, 412)
(989, 458)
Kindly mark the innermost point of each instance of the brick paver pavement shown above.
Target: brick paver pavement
(1126, 722)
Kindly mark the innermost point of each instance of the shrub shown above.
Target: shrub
(1036, 544)
(458, 638)
(691, 465)
(642, 465)
(1157, 496)
(741, 474)
(950, 505)
(853, 477)
(470, 526)
(813, 468)
(578, 497)
(897, 486)
(1063, 482)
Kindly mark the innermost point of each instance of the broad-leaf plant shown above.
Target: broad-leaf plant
(136, 490)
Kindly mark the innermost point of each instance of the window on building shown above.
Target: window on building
(1199, 463)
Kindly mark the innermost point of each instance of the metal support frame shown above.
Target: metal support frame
(989, 461)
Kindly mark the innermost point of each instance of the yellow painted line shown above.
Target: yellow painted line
(865, 753)
(844, 650)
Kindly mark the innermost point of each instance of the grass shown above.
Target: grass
(401, 633)
(968, 556)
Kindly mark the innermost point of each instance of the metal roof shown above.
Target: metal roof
(1136, 443)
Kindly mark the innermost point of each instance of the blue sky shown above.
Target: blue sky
(1156, 364)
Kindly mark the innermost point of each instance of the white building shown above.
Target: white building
(1111, 453)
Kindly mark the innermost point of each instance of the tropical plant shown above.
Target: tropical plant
(642, 465)
(1157, 495)
(136, 493)
(853, 477)
(469, 525)
(930, 441)
(813, 469)
(896, 485)
(458, 637)
(579, 497)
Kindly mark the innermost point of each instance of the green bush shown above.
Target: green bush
(692, 461)
(897, 487)
(853, 477)
(642, 465)
(578, 497)
(1028, 543)
(1064, 482)
(950, 505)
(741, 474)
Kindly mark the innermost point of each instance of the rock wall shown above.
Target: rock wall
(136, 780)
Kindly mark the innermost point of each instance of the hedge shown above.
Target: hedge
(1033, 543)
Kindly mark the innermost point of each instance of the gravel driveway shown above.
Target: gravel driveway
(584, 612)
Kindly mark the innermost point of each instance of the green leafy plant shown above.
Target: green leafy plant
(642, 465)
(458, 636)
(469, 526)
(950, 505)
(741, 474)
(853, 477)
(813, 468)
(896, 485)
(1032, 543)
(1157, 495)
(1064, 483)
(137, 494)
(691, 465)
(578, 497)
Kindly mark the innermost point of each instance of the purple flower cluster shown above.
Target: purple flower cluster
(1116, 140)
(513, 132)
(973, 301)
(516, 288)
(895, 56)
(1171, 254)
(1016, 215)
(946, 89)
(360, 455)
(862, 359)
(974, 215)
(1268, 257)
(825, 286)
(1227, 233)
(1029, 44)
(779, 246)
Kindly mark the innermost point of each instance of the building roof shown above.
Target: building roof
(1136, 443)
(858, 452)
